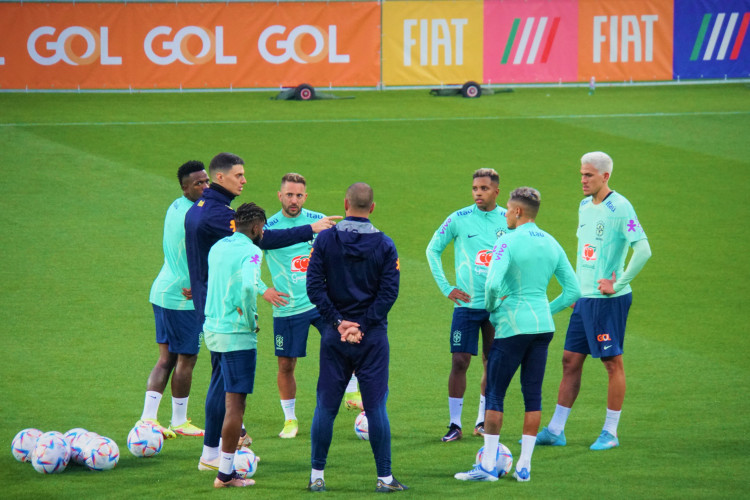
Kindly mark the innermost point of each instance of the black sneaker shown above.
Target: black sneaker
(317, 485)
(454, 433)
(390, 488)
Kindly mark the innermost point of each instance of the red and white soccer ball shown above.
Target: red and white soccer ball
(101, 453)
(51, 453)
(78, 446)
(504, 459)
(245, 462)
(361, 429)
(145, 441)
(24, 443)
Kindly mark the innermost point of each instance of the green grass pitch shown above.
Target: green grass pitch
(87, 181)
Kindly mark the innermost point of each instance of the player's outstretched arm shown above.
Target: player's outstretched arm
(325, 223)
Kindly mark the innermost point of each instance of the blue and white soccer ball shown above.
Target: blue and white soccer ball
(245, 462)
(73, 433)
(101, 453)
(51, 453)
(361, 429)
(24, 443)
(145, 441)
(504, 459)
(78, 446)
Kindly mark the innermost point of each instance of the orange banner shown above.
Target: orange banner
(620, 41)
(143, 46)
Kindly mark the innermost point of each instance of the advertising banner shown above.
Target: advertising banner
(530, 42)
(51, 46)
(432, 42)
(714, 39)
(623, 41)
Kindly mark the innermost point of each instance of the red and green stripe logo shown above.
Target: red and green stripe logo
(536, 35)
(716, 37)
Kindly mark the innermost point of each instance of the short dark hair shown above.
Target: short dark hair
(188, 168)
(247, 214)
(293, 177)
(487, 172)
(360, 196)
(529, 198)
(224, 162)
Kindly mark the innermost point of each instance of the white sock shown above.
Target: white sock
(557, 424)
(288, 406)
(480, 414)
(226, 464)
(151, 405)
(352, 387)
(386, 479)
(316, 474)
(610, 423)
(489, 459)
(209, 453)
(179, 410)
(527, 448)
(455, 405)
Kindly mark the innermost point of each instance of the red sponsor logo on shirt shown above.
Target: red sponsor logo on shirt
(483, 258)
(589, 252)
(299, 263)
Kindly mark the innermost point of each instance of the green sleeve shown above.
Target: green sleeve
(442, 237)
(571, 291)
(641, 253)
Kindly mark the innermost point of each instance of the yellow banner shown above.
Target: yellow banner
(432, 42)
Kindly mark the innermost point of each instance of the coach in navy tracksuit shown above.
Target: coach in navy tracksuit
(353, 279)
(206, 222)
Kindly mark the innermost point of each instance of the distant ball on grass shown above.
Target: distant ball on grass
(51, 453)
(361, 428)
(145, 441)
(24, 443)
(101, 453)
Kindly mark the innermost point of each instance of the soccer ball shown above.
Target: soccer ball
(245, 462)
(361, 428)
(24, 443)
(72, 434)
(51, 453)
(145, 440)
(101, 453)
(78, 446)
(504, 459)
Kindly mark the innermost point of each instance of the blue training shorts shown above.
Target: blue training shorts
(465, 329)
(290, 333)
(597, 326)
(178, 329)
(238, 370)
(529, 351)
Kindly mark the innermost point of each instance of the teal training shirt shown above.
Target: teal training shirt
(523, 262)
(288, 265)
(473, 232)
(233, 274)
(605, 232)
(166, 290)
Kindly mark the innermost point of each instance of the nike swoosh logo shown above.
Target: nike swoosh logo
(606, 347)
(471, 235)
(581, 225)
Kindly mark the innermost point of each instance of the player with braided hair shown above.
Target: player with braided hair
(232, 324)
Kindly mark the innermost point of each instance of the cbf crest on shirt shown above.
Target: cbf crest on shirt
(473, 233)
(288, 265)
(605, 232)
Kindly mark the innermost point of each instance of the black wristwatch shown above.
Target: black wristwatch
(336, 324)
